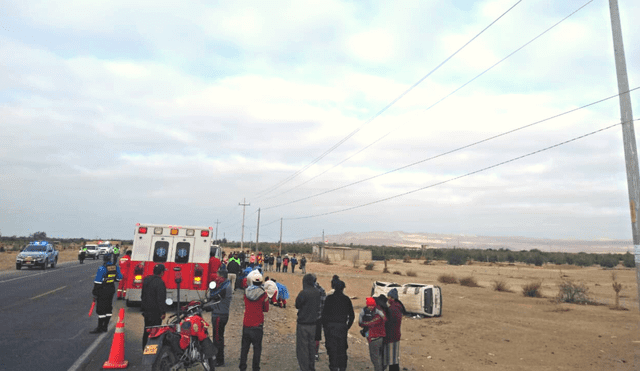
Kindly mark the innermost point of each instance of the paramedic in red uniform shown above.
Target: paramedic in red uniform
(124, 269)
(214, 265)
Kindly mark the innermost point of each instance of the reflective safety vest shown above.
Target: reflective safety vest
(110, 277)
(116, 250)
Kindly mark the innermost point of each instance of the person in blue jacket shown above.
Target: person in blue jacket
(104, 287)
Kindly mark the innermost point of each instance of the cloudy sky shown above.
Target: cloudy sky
(334, 116)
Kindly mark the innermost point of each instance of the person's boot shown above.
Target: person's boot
(98, 329)
(105, 324)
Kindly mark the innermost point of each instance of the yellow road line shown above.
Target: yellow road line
(50, 292)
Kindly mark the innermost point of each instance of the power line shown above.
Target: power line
(458, 177)
(294, 175)
(451, 151)
(428, 108)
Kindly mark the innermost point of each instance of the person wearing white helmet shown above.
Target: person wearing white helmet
(256, 303)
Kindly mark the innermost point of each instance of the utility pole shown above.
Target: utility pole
(217, 222)
(628, 133)
(322, 245)
(244, 204)
(258, 232)
(280, 250)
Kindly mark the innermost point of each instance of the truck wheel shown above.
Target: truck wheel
(53, 265)
(44, 266)
(18, 266)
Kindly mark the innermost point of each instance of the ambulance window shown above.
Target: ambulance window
(182, 252)
(160, 251)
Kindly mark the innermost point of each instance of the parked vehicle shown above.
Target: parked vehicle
(173, 246)
(417, 298)
(37, 254)
(183, 342)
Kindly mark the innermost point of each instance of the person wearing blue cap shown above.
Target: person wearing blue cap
(391, 342)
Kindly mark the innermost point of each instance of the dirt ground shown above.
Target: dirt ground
(480, 328)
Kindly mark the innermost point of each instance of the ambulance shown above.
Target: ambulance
(183, 250)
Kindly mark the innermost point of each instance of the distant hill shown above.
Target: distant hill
(434, 240)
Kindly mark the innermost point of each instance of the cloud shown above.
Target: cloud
(160, 111)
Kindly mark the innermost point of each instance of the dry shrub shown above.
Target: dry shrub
(407, 259)
(447, 278)
(426, 261)
(325, 261)
(532, 289)
(398, 273)
(469, 281)
(412, 273)
(369, 266)
(571, 292)
(617, 287)
(501, 285)
(385, 270)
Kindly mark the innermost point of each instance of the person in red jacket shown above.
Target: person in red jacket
(124, 269)
(214, 265)
(256, 302)
(372, 319)
(392, 328)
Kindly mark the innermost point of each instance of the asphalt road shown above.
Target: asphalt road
(44, 315)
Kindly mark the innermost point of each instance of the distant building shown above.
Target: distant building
(337, 253)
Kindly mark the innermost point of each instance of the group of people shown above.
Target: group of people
(380, 319)
(269, 263)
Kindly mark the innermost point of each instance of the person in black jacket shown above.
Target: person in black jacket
(308, 304)
(337, 318)
(153, 306)
(103, 289)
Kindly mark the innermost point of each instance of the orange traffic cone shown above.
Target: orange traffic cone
(116, 357)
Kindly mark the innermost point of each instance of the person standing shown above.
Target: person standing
(303, 265)
(256, 303)
(103, 289)
(233, 269)
(241, 257)
(337, 318)
(392, 329)
(278, 263)
(308, 304)
(220, 315)
(285, 263)
(154, 295)
(323, 297)
(372, 319)
(116, 253)
(293, 262)
(214, 266)
(124, 269)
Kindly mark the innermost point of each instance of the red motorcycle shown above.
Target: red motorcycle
(184, 341)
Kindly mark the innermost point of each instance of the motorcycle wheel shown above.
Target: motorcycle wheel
(165, 359)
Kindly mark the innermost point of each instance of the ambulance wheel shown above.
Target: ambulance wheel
(18, 266)
(53, 265)
(44, 266)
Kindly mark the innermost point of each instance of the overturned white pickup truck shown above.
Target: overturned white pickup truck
(418, 298)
